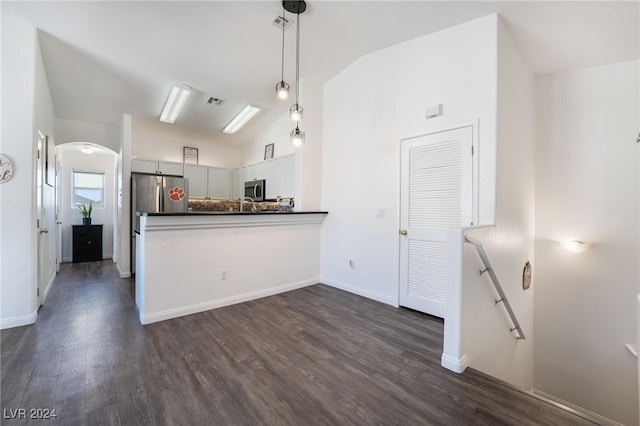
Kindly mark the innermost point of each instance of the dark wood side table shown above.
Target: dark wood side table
(87, 242)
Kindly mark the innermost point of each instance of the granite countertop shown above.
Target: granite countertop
(234, 213)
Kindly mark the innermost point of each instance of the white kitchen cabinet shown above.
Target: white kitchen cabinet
(197, 176)
(279, 173)
(218, 183)
(157, 167)
(170, 168)
(238, 184)
(288, 179)
(207, 182)
(273, 177)
(144, 166)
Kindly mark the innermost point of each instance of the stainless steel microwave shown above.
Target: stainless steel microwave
(255, 189)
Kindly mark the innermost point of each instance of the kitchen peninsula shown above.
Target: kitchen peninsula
(195, 261)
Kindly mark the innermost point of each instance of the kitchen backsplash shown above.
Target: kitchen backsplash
(285, 204)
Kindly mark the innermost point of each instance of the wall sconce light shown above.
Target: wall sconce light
(575, 246)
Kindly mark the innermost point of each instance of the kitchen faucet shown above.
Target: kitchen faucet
(253, 204)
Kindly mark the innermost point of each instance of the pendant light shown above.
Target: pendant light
(282, 88)
(295, 112)
(297, 136)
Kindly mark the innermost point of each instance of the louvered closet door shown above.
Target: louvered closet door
(436, 195)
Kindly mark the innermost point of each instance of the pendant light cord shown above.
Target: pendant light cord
(297, 57)
(284, 22)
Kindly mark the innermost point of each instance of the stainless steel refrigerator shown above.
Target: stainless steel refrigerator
(155, 194)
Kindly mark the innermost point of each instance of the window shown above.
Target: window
(88, 187)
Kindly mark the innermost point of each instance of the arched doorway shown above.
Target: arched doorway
(88, 174)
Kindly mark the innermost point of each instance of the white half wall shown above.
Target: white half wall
(367, 109)
(587, 189)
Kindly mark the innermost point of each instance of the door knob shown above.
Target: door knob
(44, 231)
(403, 232)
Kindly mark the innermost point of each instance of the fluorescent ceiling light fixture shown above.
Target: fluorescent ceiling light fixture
(87, 149)
(241, 119)
(176, 100)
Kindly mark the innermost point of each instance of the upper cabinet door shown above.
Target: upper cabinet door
(144, 166)
(169, 168)
(273, 176)
(219, 183)
(288, 167)
(197, 176)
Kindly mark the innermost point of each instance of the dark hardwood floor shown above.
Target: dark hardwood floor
(308, 357)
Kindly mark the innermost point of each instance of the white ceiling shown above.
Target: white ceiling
(104, 59)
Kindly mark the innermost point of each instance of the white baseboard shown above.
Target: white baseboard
(18, 321)
(49, 286)
(122, 273)
(454, 364)
(379, 297)
(219, 303)
(575, 409)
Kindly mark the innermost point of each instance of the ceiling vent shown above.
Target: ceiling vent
(215, 101)
(277, 20)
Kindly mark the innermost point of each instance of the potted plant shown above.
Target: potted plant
(85, 211)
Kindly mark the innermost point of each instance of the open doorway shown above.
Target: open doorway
(88, 174)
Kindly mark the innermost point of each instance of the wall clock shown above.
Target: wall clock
(6, 169)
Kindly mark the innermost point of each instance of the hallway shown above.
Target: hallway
(307, 357)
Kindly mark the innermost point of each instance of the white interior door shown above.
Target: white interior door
(436, 195)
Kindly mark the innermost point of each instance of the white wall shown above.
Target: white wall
(123, 216)
(276, 133)
(587, 189)
(97, 163)
(45, 124)
(82, 131)
(154, 140)
(308, 155)
(26, 107)
(368, 108)
(486, 339)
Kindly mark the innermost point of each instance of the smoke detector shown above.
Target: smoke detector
(279, 20)
(215, 101)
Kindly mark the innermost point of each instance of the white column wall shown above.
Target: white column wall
(26, 108)
(587, 189)
(486, 339)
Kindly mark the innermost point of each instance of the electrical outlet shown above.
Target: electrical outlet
(223, 274)
(381, 213)
(352, 263)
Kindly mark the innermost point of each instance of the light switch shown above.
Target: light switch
(380, 214)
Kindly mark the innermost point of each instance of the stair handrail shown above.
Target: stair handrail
(496, 283)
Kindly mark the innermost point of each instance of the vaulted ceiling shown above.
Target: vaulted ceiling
(104, 59)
